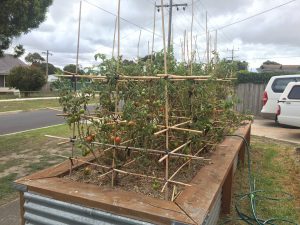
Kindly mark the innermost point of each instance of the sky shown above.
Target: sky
(272, 35)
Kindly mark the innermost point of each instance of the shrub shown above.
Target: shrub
(26, 78)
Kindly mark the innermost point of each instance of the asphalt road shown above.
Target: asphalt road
(21, 121)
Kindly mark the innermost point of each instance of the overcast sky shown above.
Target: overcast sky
(272, 35)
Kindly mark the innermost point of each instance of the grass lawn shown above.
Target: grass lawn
(275, 167)
(24, 153)
(27, 105)
(33, 104)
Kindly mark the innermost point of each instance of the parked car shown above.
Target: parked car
(273, 91)
(288, 108)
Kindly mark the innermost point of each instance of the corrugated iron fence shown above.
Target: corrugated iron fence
(250, 98)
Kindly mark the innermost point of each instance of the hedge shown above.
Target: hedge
(256, 78)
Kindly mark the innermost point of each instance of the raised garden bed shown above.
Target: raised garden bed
(48, 196)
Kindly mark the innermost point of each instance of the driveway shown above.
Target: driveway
(268, 128)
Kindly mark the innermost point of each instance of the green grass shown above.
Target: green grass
(31, 140)
(32, 104)
(10, 163)
(275, 169)
(7, 193)
(26, 153)
(27, 105)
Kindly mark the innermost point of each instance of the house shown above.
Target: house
(7, 62)
(279, 68)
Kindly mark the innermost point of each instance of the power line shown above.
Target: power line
(113, 14)
(126, 20)
(260, 13)
(272, 57)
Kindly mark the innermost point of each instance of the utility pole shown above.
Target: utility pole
(232, 51)
(170, 6)
(47, 53)
(232, 57)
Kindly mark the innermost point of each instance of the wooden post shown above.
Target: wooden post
(227, 192)
(22, 202)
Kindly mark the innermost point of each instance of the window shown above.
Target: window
(280, 84)
(294, 93)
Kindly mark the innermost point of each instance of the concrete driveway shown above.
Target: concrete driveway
(268, 128)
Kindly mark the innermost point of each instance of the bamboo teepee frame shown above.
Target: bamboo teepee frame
(165, 155)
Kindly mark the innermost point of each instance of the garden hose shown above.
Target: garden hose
(254, 195)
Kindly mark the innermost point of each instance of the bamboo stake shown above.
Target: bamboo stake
(113, 50)
(183, 165)
(151, 150)
(104, 174)
(184, 37)
(138, 46)
(154, 23)
(118, 64)
(181, 77)
(181, 45)
(51, 136)
(83, 161)
(184, 129)
(151, 177)
(166, 98)
(173, 193)
(187, 49)
(173, 151)
(191, 65)
(160, 132)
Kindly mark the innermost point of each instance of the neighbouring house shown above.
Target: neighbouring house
(279, 68)
(7, 62)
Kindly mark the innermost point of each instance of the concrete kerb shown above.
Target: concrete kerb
(28, 99)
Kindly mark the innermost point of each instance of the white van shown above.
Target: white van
(273, 91)
(288, 109)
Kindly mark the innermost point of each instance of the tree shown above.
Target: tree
(268, 62)
(34, 58)
(51, 68)
(72, 69)
(19, 51)
(26, 78)
(20, 16)
(241, 65)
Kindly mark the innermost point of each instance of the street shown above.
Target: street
(21, 121)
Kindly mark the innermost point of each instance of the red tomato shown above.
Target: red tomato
(117, 140)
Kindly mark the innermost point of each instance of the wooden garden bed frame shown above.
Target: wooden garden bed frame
(190, 207)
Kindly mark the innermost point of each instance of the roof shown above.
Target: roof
(7, 62)
(52, 78)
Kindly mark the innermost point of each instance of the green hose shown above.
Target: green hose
(256, 194)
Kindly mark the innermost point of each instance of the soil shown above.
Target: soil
(146, 165)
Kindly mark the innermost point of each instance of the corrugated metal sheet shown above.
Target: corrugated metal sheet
(213, 216)
(41, 210)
